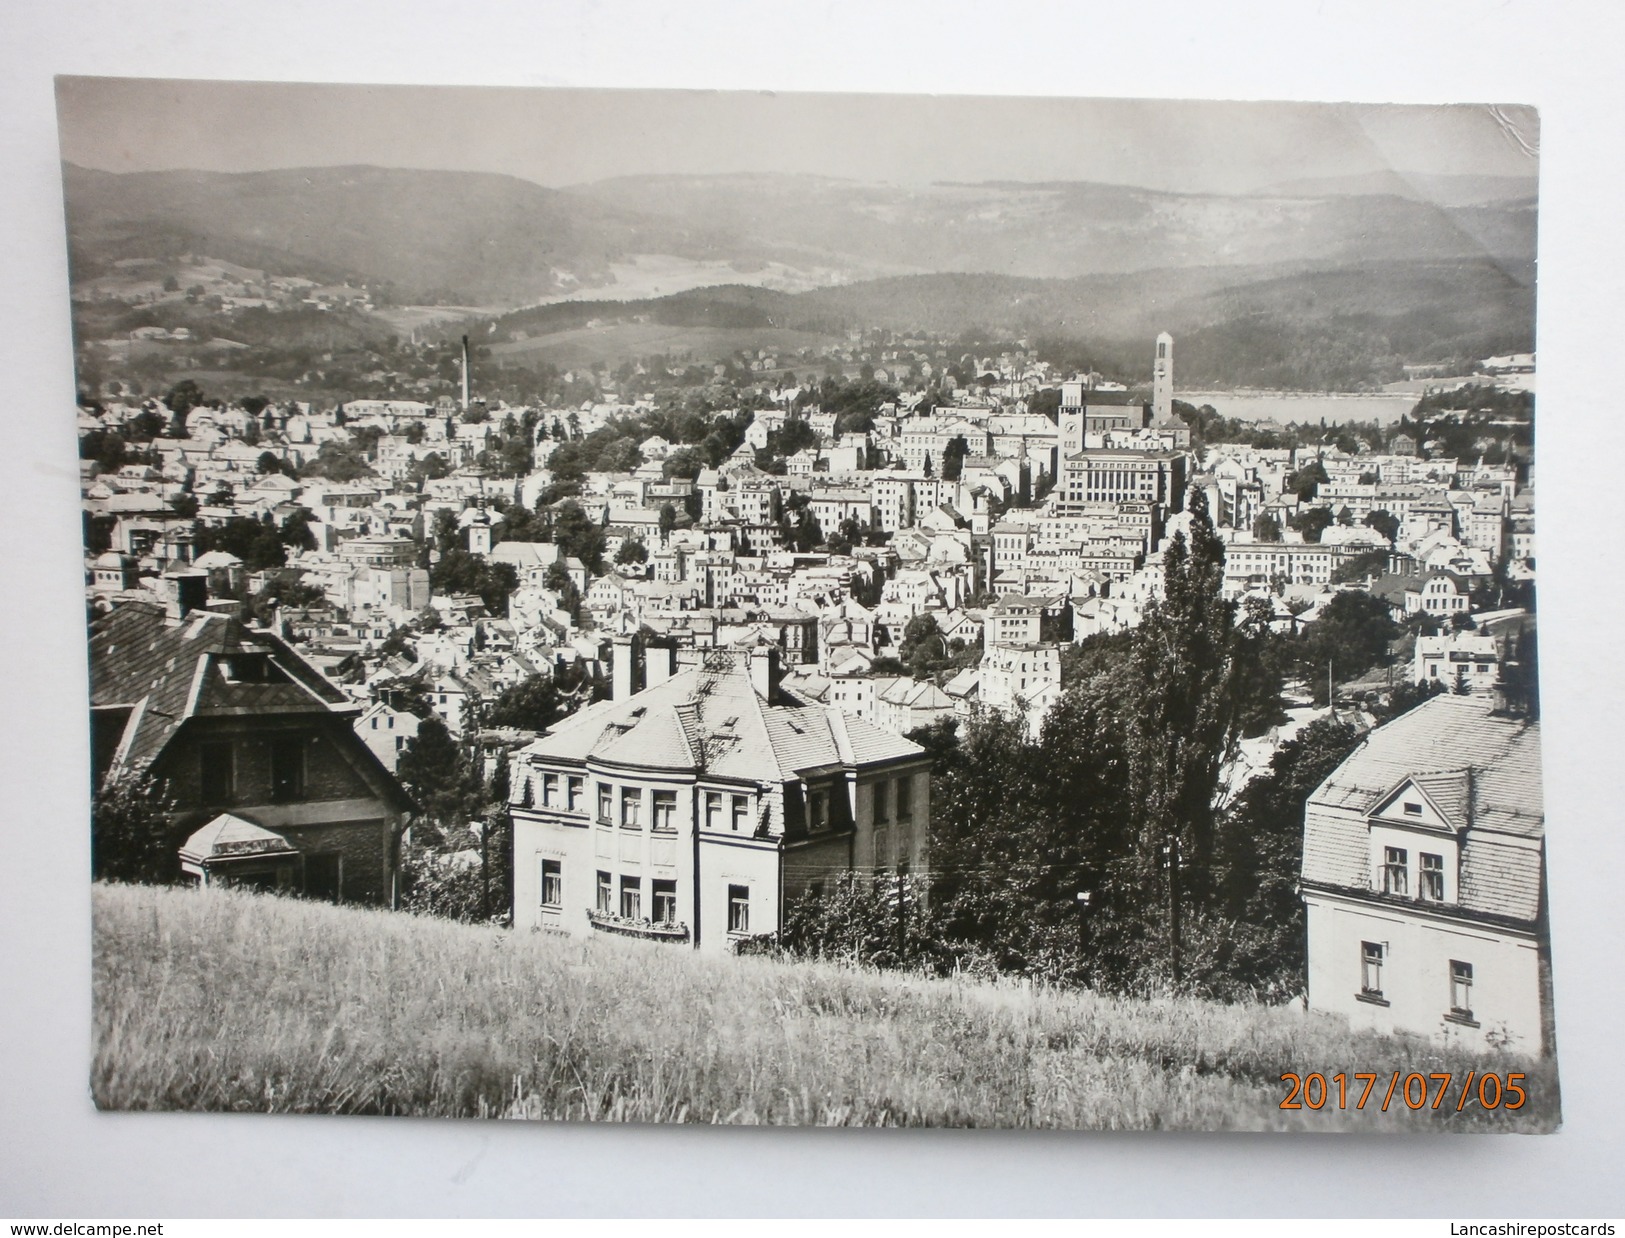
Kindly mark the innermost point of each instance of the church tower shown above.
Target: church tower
(479, 531)
(1162, 379)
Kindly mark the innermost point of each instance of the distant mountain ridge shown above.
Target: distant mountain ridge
(1448, 191)
(431, 236)
(495, 240)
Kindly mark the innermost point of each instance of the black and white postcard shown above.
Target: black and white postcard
(795, 609)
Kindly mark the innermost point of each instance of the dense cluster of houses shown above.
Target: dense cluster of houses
(748, 737)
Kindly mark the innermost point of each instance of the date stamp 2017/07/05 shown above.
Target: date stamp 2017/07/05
(1415, 1090)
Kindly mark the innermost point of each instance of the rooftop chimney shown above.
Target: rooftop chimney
(188, 591)
(764, 672)
(623, 656)
(659, 664)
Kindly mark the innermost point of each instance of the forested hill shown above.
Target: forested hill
(1337, 329)
(492, 240)
(446, 237)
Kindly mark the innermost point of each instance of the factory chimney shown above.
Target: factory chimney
(465, 373)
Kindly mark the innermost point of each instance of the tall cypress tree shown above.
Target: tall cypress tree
(1186, 720)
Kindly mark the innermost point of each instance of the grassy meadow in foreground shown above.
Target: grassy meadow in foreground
(206, 1000)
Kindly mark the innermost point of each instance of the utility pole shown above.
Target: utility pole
(902, 918)
(1084, 897)
(1170, 855)
(485, 870)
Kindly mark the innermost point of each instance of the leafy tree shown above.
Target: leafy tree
(1353, 633)
(437, 774)
(1311, 522)
(557, 578)
(1185, 719)
(430, 467)
(398, 644)
(632, 551)
(269, 462)
(1258, 859)
(1383, 522)
(338, 462)
(106, 447)
(533, 704)
(668, 522)
(684, 463)
(255, 542)
(579, 536)
(460, 572)
(1406, 697)
(182, 398)
(1361, 567)
(436, 882)
(1266, 528)
(1306, 482)
(953, 457)
(131, 834)
(447, 531)
(296, 531)
(144, 426)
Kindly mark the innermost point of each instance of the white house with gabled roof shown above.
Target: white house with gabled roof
(1424, 878)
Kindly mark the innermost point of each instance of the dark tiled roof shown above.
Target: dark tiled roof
(166, 674)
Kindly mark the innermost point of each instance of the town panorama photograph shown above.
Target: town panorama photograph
(796, 609)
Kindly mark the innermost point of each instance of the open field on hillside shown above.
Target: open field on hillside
(207, 1000)
(614, 343)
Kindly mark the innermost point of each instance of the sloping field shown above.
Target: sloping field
(214, 1001)
(614, 343)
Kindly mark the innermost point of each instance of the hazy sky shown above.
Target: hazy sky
(562, 137)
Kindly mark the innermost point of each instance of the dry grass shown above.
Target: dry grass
(213, 1001)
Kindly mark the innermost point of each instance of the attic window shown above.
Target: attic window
(249, 668)
(639, 711)
(730, 722)
(1412, 810)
